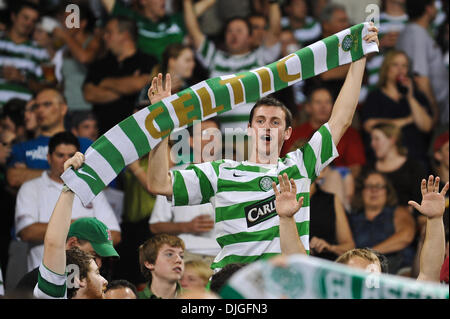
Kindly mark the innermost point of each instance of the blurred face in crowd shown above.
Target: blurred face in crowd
(30, 117)
(381, 144)
(169, 263)
(95, 283)
(288, 42)
(191, 280)
(120, 293)
(374, 192)
(442, 155)
(183, 65)
(209, 132)
(268, 129)
(41, 37)
(258, 30)
(320, 106)
(6, 141)
(114, 39)
(24, 21)
(297, 9)
(338, 22)
(50, 109)
(56, 159)
(88, 128)
(398, 68)
(237, 37)
(157, 7)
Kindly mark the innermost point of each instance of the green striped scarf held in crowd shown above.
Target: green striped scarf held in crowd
(138, 134)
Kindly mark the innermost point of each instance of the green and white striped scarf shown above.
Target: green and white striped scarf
(141, 132)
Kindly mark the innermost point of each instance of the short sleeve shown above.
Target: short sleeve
(162, 211)
(26, 212)
(50, 284)
(195, 185)
(315, 155)
(104, 212)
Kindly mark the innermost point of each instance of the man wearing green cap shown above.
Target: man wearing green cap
(88, 234)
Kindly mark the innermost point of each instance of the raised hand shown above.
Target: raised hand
(286, 203)
(433, 201)
(372, 36)
(75, 161)
(156, 92)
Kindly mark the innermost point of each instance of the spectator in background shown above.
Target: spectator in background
(393, 160)
(80, 47)
(306, 29)
(20, 58)
(29, 158)
(84, 124)
(30, 120)
(329, 230)
(161, 262)
(428, 67)
(156, 28)
(396, 101)
(12, 118)
(258, 23)
(193, 224)
(364, 258)
(378, 222)
(36, 200)
(114, 81)
(332, 19)
(178, 60)
(220, 278)
(196, 275)
(238, 55)
(120, 289)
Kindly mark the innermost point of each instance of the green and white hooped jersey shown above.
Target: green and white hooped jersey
(50, 285)
(27, 57)
(247, 225)
(311, 32)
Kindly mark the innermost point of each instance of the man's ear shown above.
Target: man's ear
(81, 283)
(288, 133)
(149, 266)
(72, 242)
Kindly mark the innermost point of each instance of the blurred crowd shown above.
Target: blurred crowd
(70, 73)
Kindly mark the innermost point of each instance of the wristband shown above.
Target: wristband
(66, 188)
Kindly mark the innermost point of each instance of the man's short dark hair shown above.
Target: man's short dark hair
(79, 117)
(14, 109)
(121, 283)
(63, 138)
(270, 101)
(128, 25)
(243, 19)
(416, 8)
(219, 279)
(17, 6)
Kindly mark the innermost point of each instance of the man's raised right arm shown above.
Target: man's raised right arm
(159, 180)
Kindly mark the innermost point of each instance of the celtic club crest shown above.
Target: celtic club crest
(265, 183)
(347, 42)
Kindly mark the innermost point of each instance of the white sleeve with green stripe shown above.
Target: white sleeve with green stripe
(50, 284)
(195, 185)
(206, 52)
(314, 156)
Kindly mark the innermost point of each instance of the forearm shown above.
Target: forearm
(421, 118)
(341, 248)
(34, 233)
(56, 235)
(168, 228)
(395, 243)
(83, 55)
(125, 85)
(158, 177)
(98, 95)
(347, 100)
(192, 25)
(290, 242)
(16, 176)
(433, 250)
(201, 6)
(274, 25)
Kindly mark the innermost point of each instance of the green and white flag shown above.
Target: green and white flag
(307, 277)
(141, 132)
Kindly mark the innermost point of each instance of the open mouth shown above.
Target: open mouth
(266, 138)
(177, 269)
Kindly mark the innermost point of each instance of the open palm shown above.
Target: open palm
(286, 203)
(156, 92)
(433, 201)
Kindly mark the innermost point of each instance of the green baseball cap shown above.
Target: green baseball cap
(95, 232)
